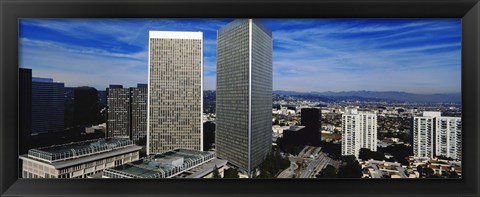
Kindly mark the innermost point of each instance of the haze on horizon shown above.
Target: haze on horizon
(310, 55)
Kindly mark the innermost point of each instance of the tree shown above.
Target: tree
(350, 168)
(420, 171)
(328, 172)
(274, 163)
(216, 174)
(366, 154)
(453, 175)
(429, 173)
(231, 173)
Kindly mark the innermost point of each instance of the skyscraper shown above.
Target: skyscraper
(449, 137)
(436, 135)
(311, 119)
(85, 105)
(118, 112)
(138, 107)
(24, 108)
(47, 106)
(359, 131)
(244, 93)
(175, 83)
(127, 112)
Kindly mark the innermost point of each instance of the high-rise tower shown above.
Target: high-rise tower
(175, 83)
(359, 131)
(244, 93)
(47, 106)
(127, 112)
(435, 135)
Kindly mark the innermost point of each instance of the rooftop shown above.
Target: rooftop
(296, 128)
(78, 149)
(163, 165)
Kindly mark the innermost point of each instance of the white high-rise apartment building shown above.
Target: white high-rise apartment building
(359, 131)
(436, 135)
(175, 84)
(244, 93)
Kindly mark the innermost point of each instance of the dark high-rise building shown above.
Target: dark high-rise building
(47, 106)
(85, 106)
(127, 112)
(311, 119)
(118, 112)
(25, 108)
(244, 93)
(138, 123)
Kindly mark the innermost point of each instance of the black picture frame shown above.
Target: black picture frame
(12, 10)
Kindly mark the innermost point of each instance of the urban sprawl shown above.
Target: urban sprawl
(172, 128)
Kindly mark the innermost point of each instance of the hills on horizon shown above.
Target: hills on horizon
(394, 96)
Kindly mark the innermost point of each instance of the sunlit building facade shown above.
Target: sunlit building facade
(359, 131)
(175, 83)
(435, 135)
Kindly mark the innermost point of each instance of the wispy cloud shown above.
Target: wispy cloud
(413, 55)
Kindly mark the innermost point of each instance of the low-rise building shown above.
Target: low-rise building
(78, 159)
(178, 163)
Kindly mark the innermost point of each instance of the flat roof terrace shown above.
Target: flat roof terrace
(164, 165)
(73, 150)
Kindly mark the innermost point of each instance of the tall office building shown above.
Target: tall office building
(138, 108)
(436, 135)
(47, 106)
(175, 83)
(244, 93)
(85, 106)
(359, 131)
(118, 112)
(24, 108)
(127, 112)
(311, 118)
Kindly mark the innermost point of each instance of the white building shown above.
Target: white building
(359, 131)
(79, 159)
(175, 96)
(435, 135)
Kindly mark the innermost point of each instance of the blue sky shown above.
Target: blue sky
(411, 55)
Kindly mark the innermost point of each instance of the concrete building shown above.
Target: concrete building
(175, 91)
(244, 93)
(138, 111)
(449, 137)
(359, 131)
(78, 159)
(47, 106)
(436, 135)
(179, 163)
(118, 111)
(127, 112)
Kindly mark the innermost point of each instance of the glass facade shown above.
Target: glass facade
(244, 93)
(47, 106)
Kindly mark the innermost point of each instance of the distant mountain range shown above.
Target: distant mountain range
(380, 95)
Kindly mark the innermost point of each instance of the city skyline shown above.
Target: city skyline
(409, 55)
